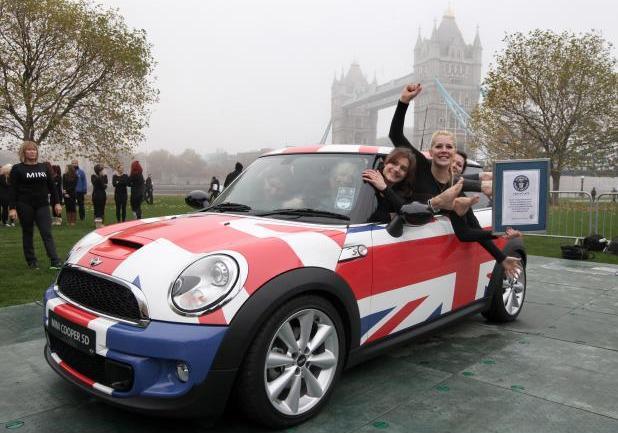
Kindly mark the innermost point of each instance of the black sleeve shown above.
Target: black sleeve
(394, 200)
(470, 176)
(399, 139)
(115, 180)
(469, 184)
(53, 191)
(13, 187)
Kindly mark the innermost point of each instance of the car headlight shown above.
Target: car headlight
(204, 283)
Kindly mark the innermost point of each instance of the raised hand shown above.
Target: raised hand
(410, 92)
(375, 178)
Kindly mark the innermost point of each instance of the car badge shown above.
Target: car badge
(95, 261)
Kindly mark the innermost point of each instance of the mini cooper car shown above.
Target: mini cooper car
(268, 293)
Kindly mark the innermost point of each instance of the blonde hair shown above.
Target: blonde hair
(445, 134)
(25, 145)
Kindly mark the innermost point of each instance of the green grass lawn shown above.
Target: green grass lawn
(19, 285)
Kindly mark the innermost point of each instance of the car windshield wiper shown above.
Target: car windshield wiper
(229, 206)
(305, 212)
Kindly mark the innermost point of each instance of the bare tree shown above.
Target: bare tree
(73, 78)
(553, 96)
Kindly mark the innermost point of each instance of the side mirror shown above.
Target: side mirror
(416, 213)
(197, 199)
(413, 213)
(395, 227)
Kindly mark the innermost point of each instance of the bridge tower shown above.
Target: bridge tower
(444, 56)
(457, 65)
(356, 125)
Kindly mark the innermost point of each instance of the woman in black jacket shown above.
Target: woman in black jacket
(433, 177)
(120, 182)
(5, 170)
(31, 185)
(99, 196)
(136, 182)
(69, 184)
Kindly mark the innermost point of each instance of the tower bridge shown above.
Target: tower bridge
(448, 69)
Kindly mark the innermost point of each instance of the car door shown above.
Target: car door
(419, 277)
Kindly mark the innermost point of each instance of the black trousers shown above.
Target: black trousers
(4, 209)
(121, 207)
(136, 205)
(28, 216)
(79, 196)
(98, 201)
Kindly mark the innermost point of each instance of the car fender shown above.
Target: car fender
(262, 304)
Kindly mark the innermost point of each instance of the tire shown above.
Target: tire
(508, 299)
(301, 375)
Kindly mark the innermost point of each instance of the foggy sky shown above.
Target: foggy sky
(242, 75)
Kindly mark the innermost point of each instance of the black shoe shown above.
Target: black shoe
(33, 265)
(55, 265)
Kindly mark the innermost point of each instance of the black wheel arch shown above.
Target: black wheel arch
(261, 304)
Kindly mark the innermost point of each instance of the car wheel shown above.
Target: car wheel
(293, 363)
(509, 299)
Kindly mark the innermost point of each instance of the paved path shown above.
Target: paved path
(555, 369)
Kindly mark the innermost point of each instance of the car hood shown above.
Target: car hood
(150, 254)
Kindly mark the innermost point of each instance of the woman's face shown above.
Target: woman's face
(31, 153)
(458, 164)
(396, 171)
(442, 151)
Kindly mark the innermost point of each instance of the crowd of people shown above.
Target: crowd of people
(34, 193)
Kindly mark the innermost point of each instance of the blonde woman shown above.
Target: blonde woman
(31, 184)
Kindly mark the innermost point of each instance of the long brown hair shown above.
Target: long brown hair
(405, 186)
(136, 168)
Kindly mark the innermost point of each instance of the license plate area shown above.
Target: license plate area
(76, 336)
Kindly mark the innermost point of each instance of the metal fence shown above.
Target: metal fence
(576, 214)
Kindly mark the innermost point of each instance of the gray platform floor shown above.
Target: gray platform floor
(553, 370)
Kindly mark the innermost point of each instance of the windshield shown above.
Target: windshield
(313, 185)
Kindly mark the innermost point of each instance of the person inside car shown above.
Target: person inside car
(393, 185)
(433, 177)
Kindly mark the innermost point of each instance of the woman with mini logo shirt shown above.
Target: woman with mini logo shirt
(31, 184)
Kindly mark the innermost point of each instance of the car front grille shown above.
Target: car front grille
(116, 375)
(99, 294)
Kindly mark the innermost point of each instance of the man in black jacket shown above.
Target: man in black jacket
(233, 175)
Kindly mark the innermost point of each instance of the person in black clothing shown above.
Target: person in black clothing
(57, 178)
(99, 196)
(120, 182)
(136, 182)
(69, 184)
(5, 170)
(214, 188)
(433, 177)
(31, 184)
(393, 182)
(233, 175)
(148, 192)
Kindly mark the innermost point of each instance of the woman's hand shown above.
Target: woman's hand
(511, 233)
(58, 209)
(410, 92)
(512, 267)
(375, 178)
(12, 214)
